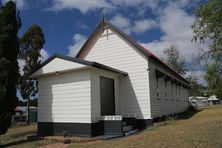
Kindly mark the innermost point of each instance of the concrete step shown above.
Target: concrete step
(127, 128)
(106, 137)
(124, 123)
(131, 132)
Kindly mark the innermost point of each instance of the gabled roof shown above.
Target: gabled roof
(84, 62)
(141, 49)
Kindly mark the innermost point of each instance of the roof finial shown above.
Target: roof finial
(103, 20)
(103, 16)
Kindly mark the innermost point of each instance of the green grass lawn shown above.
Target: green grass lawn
(203, 129)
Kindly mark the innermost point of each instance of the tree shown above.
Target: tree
(208, 27)
(214, 80)
(32, 102)
(174, 59)
(31, 44)
(9, 47)
(196, 89)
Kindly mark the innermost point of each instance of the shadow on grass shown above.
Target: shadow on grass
(191, 111)
(22, 141)
(186, 115)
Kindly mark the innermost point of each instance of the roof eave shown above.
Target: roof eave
(84, 62)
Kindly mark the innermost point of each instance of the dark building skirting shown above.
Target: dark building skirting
(139, 124)
(72, 129)
(144, 123)
(131, 121)
(112, 127)
(89, 129)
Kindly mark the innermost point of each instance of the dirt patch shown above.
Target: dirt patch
(55, 145)
(70, 139)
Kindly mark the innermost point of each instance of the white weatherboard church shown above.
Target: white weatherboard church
(113, 86)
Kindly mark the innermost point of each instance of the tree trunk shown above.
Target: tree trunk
(28, 112)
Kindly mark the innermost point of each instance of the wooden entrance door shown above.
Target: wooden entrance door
(107, 96)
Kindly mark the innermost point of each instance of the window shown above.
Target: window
(176, 90)
(157, 87)
(172, 90)
(159, 74)
(165, 89)
(157, 82)
(158, 94)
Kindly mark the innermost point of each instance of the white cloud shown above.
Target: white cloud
(82, 26)
(197, 75)
(133, 3)
(107, 5)
(127, 2)
(142, 26)
(175, 31)
(175, 23)
(21, 64)
(44, 55)
(138, 26)
(21, 4)
(78, 40)
(186, 48)
(82, 5)
(88, 5)
(122, 23)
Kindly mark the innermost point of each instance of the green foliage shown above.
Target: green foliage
(214, 80)
(210, 76)
(31, 44)
(196, 89)
(208, 26)
(33, 102)
(9, 47)
(174, 59)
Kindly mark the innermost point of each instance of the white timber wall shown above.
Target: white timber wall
(172, 98)
(95, 92)
(113, 51)
(65, 97)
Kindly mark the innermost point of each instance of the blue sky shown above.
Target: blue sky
(156, 24)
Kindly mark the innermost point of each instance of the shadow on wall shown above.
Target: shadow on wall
(45, 115)
(130, 106)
